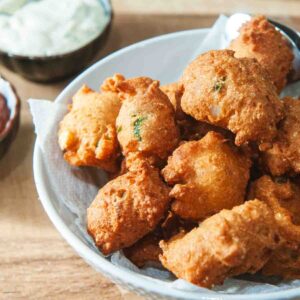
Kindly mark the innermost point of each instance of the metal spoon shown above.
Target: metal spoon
(235, 22)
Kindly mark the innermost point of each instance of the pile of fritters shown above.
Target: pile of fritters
(205, 170)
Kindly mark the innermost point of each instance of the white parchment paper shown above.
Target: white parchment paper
(76, 187)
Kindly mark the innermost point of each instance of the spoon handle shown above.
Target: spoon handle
(293, 35)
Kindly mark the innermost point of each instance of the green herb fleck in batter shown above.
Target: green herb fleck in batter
(219, 84)
(137, 127)
(119, 129)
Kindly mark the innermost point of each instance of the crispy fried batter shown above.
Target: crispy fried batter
(259, 39)
(284, 156)
(87, 134)
(229, 243)
(146, 122)
(284, 262)
(208, 175)
(145, 250)
(127, 89)
(283, 197)
(127, 208)
(174, 91)
(185, 123)
(232, 93)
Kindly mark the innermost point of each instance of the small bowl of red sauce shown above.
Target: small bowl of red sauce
(9, 115)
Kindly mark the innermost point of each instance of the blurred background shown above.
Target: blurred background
(35, 262)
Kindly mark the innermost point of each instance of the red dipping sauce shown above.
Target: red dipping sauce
(4, 113)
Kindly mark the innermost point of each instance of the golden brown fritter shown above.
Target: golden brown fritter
(284, 262)
(227, 244)
(190, 128)
(208, 175)
(127, 208)
(174, 91)
(185, 123)
(283, 197)
(284, 156)
(87, 134)
(234, 94)
(110, 84)
(126, 89)
(146, 122)
(145, 250)
(259, 39)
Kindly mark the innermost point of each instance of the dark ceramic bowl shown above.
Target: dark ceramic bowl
(53, 68)
(9, 132)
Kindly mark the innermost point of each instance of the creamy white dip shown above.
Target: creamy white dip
(51, 27)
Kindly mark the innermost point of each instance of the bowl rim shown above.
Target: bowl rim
(106, 4)
(13, 116)
(92, 258)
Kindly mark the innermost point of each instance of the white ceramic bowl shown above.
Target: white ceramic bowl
(147, 58)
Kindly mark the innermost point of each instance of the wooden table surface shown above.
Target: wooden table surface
(35, 262)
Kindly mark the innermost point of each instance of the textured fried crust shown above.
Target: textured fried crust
(146, 122)
(232, 93)
(186, 123)
(87, 134)
(284, 262)
(259, 39)
(126, 89)
(190, 128)
(127, 208)
(145, 250)
(284, 156)
(227, 244)
(174, 91)
(208, 175)
(284, 199)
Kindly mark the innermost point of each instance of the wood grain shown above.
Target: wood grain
(35, 262)
(211, 7)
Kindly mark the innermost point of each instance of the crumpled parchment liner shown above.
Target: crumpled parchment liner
(77, 187)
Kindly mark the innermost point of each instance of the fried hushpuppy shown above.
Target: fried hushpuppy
(174, 91)
(146, 122)
(145, 250)
(227, 244)
(127, 208)
(207, 176)
(284, 262)
(232, 93)
(190, 128)
(259, 39)
(87, 133)
(283, 197)
(284, 156)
